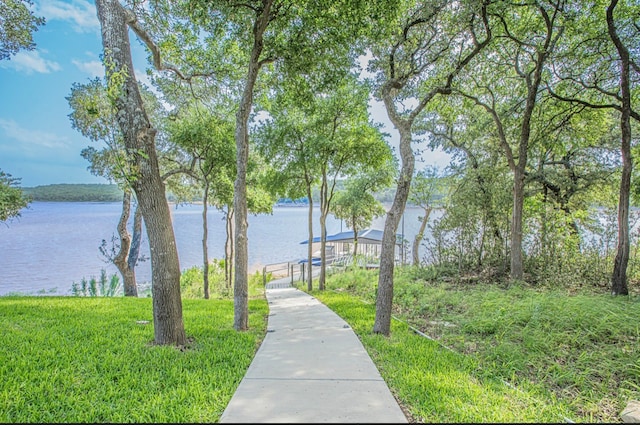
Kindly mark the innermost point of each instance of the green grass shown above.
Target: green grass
(77, 359)
(494, 354)
(498, 355)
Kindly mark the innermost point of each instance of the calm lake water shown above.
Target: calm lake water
(54, 244)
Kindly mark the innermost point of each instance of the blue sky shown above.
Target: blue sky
(37, 143)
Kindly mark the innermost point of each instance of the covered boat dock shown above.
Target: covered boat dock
(340, 248)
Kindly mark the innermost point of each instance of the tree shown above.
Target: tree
(287, 141)
(347, 144)
(476, 177)
(523, 54)
(208, 138)
(138, 135)
(12, 200)
(356, 205)
(605, 36)
(426, 50)
(17, 24)
(424, 189)
(319, 135)
(93, 115)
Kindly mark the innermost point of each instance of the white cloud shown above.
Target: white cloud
(92, 68)
(81, 13)
(32, 139)
(30, 62)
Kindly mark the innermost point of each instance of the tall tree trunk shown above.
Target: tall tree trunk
(619, 276)
(139, 139)
(355, 242)
(418, 239)
(241, 283)
(384, 298)
(205, 234)
(310, 247)
(324, 211)
(323, 251)
(517, 269)
(228, 248)
(241, 259)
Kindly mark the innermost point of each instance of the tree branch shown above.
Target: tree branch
(132, 22)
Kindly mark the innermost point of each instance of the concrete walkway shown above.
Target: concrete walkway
(310, 368)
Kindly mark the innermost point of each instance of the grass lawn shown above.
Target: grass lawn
(457, 353)
(77, 359)
(491, 354)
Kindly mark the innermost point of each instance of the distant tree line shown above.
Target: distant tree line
(74, 193)
(68, 192)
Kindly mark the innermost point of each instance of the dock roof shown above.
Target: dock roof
(370, 236)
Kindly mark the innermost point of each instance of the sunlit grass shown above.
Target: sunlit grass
(76, 359)
(435, 384)
(499, 355)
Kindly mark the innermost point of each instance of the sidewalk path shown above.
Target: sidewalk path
(310, 368)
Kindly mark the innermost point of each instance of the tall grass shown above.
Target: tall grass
(192, 282)
(569, 355)
(69, 359)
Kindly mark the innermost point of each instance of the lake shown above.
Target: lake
(54, 244)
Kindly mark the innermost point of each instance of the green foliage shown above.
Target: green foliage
(102, 287)
(209, 139)
(12, 198)
(75, 193)
(17, 25)
(116, 78)
(92, 360)
(317, 135)
(93, 114)
(356, 208)
(569, 354)
(426, 187)
(192, 283)
(562, 249)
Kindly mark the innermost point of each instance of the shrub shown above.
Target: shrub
(105, 287)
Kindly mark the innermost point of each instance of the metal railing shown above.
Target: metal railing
(280, 270)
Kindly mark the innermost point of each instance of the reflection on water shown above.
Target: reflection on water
(55, 244)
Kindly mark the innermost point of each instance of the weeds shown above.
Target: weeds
(104, 287)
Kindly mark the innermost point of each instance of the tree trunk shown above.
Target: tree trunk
(418, 239)
(517, 269)
(139, 139)
(241, 283)
(228, 249)
(384, 298)
(619, 276)
(323, 249)
(324, 212)
(241, 259)
(205, 234)
(136, 241)
(355, 243)
(120, 260)
(310, 247)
